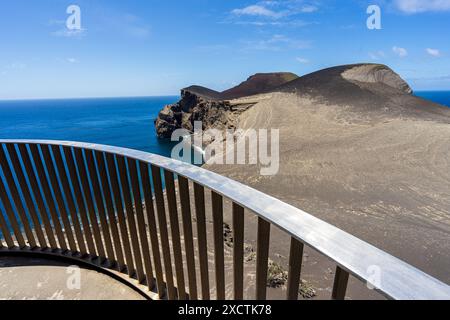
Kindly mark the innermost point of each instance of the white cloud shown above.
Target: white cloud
(302, 60)
(275, 23)
(275, 9)
(256, 10)
(433, 52)
(72, 60)
(418, 6)
(309, 9)
(401, 52)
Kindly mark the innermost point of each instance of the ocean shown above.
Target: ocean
(442, 97)
(123, 122)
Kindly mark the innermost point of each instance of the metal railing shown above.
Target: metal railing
(121, 210)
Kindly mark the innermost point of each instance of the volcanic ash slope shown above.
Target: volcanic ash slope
(359, 151)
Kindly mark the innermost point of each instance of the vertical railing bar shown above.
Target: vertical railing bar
(7, 172)
(100, 205)
(11, 215)
(262, 258)
(152, 226)
(27, 195)
(89, 201)
(37, 195)
(295, 267)
(70, 161)
(164, 234)
(100, 159)
(238, 251)
(58, 195)
(2, 228)
(340, 284)
(5, 232)
(183, 184)
(17, 202)
(48, 196)
(175, 229)
(199, 195)
(112, 170)
(141, 222)
(69, 198)
(217, 210)
(130, 218)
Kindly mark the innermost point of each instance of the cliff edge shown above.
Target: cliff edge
(214, 108)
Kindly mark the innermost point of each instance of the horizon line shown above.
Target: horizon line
(146, 96)
(85, 98)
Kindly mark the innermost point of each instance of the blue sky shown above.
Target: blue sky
(152, 47)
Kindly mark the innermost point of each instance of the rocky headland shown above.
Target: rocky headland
(215, 109)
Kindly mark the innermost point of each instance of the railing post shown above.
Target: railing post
(340, 284)
(82, 211)
(164, 233)
(70, 201)
(152, 227)
(175, 228)
(183, 184)
(5, 232)
(27, 194)
(114, 180)
(56, 186)
(113, 223)
(39, 164)
(11, 216)
(199, 194)
(100, 206)
(295, 267)
(32, 178)
(217, 210)
(130, 218)
(132, 168)
(7, 172)
(238, 251)
(262, 258)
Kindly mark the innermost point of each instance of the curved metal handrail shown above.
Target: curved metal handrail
(398, 280)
